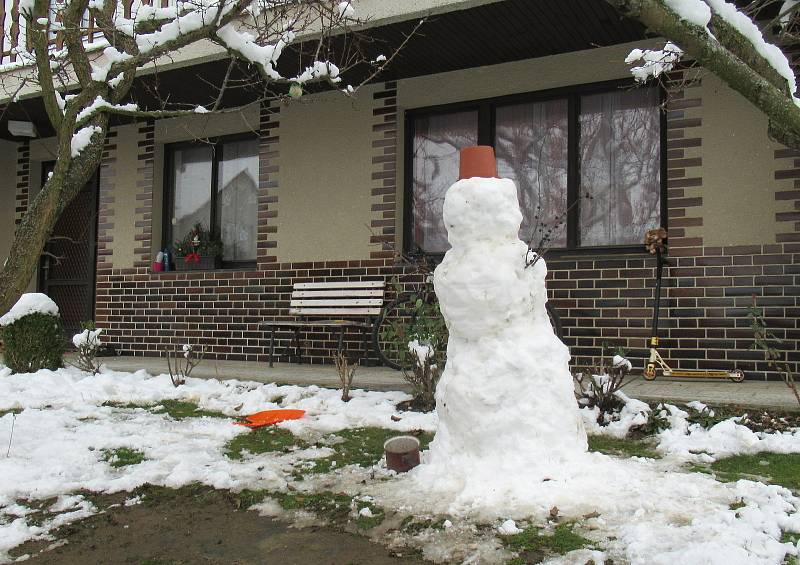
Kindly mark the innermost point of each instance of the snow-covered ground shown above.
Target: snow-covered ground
(637, 510)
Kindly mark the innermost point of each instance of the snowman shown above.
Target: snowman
(505, 402)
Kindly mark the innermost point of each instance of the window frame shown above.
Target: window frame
(216, 143)
(486, 108)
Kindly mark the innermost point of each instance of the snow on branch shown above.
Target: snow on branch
(655, 62)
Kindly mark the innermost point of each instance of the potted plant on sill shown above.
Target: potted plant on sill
(199, 250)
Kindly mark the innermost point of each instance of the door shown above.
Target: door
(67, 269)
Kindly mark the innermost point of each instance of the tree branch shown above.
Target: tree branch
(697, 43)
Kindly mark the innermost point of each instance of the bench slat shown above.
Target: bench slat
(342, 284)
(335, 311)
(335, 293)
(317, 302)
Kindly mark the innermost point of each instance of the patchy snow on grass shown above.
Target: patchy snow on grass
(61, 434)
(635, 510)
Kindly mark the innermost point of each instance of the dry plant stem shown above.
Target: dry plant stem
(181, 363)
(11, 437)
(346, 374)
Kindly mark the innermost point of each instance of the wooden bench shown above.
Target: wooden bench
(330, 305)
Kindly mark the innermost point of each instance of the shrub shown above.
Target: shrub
(33, 342)
(88, 344)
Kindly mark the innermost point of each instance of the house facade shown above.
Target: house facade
(328, 187)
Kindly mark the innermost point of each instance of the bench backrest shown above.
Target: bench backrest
(345, 298)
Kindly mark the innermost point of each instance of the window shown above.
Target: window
(587, 162)
(216, 185)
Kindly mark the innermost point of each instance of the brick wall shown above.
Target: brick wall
(601, 298)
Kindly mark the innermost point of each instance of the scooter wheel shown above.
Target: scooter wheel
(649, 375)
(736, 376)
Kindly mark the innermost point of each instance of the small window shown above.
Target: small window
(216, 185)
(586, 162)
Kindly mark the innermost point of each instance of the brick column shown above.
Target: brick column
(23, 180)
(144, 196)
(268, 154)
(384, 171)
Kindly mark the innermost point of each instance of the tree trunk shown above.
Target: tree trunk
(38, 222)
(756, 83)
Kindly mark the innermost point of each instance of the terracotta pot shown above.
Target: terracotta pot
(402, 453)
(477, 161)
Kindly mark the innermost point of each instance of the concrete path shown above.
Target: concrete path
(757, 394)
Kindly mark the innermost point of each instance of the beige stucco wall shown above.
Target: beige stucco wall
(124, 194)
(738, 170)
(325, 178)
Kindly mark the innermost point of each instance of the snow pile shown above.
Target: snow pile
(507, 372)
(633, 413)
(29, 303)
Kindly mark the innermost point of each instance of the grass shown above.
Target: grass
(334, 507)
(369, 522)
(777, 468)
(123, 456)
(178, 410)
(362, 447)
(622, 447)
(413, 525)
(534, 546)
(262, 440)
(12, 411)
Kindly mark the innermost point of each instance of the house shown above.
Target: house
(324, 187)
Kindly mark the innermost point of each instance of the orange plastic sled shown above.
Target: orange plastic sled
(268, 417)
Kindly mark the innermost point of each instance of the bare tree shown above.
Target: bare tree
(83, 56)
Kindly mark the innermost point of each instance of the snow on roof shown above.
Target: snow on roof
(30, 303)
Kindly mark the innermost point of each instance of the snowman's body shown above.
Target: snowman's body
(505, 402)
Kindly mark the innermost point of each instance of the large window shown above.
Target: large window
(216, 185)
(587, 164)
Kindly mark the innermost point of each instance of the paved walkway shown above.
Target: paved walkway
(760, 394)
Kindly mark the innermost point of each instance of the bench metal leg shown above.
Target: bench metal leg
(297, 346)
(365, 346)
(271, 346)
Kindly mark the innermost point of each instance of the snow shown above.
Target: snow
(365, 512)
(265, 56)
(64, 426)
(650, 511)
(82, 138)
(655, 62)
(200, 110)
(41, 21)
(422, 352)
(319, 70)
(87, 338)
(619, 361)
(509, 528)
(695, 12)
(634, 413)
(29, 303)
(100, 103)
(744, 25)
(110, 56)
(505, 366)
(346, 9)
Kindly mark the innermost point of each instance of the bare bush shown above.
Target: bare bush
(346, 373)
(88, 345)
(599, 384)
(424, 375)
(181, 363)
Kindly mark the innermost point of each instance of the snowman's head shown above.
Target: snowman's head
(481, 209)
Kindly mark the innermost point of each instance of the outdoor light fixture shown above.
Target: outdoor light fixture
(21, 129)
(295, 90)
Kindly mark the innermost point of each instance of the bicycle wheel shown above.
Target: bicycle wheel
(389, 339)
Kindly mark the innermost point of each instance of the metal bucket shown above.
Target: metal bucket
(402, 453)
